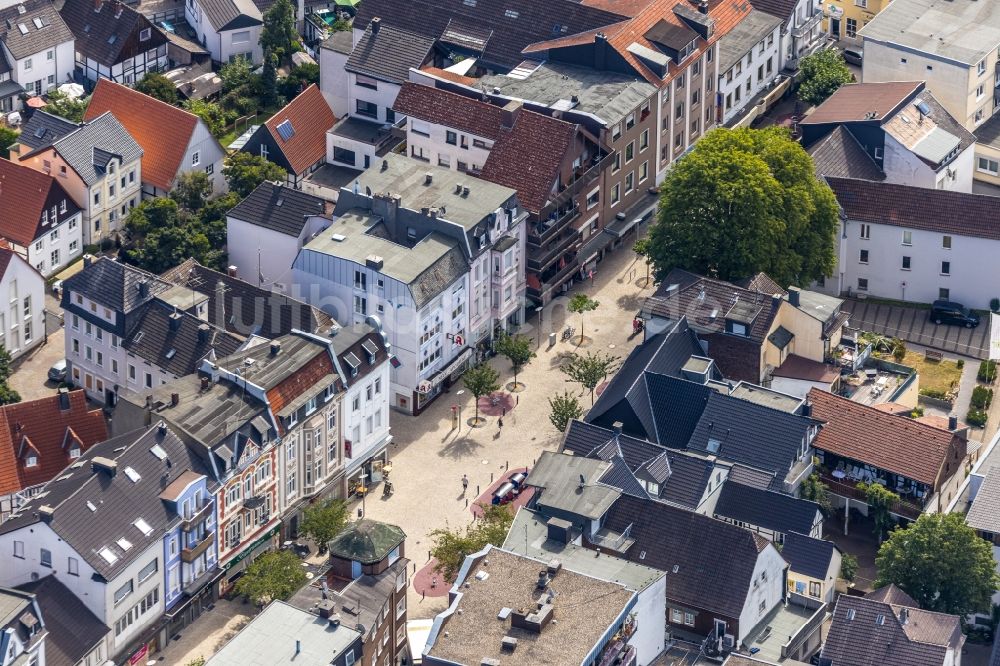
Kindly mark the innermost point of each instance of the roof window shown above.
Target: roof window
(285, 130)
(108, 555)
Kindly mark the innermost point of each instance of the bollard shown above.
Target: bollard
(477, 490)
(423, 594)
(466, 502)
(491, 477)
(506, 465)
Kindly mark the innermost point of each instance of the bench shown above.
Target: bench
(933, 355)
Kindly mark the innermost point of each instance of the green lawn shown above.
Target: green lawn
(938, 375)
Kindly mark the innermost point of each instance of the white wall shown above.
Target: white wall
(902, 166)
(210, 155)
(356, 422)
(333, 82)
(251, 245)
(797, 387)
(21, 282)
(651, 614)
(768, 590)
(749, 72)
(66, 237)
(429, 142)
(58, 67)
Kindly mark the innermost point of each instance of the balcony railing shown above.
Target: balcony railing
(553, 282)
(807, 25)
(545, 229)
(196, 517)
(849, 489)
(541, 258)
(192, 586)
(583, 178)
(191, 553)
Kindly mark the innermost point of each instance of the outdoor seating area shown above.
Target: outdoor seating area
(870, 386)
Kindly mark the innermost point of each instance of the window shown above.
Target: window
(31, 460)
(689, 619)
(676, 616)
(367, 109)
(360, 280)
(616, 194)
(852, 29)
(695, 97)
(27, 64)
(366, 82)
(147, 571)
(989, 166)
(45, 558)
(451, 138)
(629, 152)
(946, 242)
(866, 231)
(907, 238)
(944, 294)
(862, 284)
(19, 549)
(123, 591)
(815, 589)
(616, 167)
(629, 182)
(906, 264)
(643, 171)
(945, 268)
(73, 566)
(981, 67)
(980, 91)
(361, 305)
(863, 258)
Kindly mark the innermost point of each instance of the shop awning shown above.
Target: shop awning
(447, 370)
(594, 245)
(639, 213)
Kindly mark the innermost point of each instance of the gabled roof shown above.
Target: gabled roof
(32, 39)
(941, 211)
(118, 500)
(54, 425)
(111, 33)
(88, 149)
(113, 284)
(572, 484)
(299, 129)
(366, 541)
(893, 443)
(667, 537)
(73, 629)
(278, 208)
(452, 110)
(231, 14)
(808, 556)
(799, 367)
(892, 594)
(839, 154)
(496, 31)
(24, 195)
(389, 53)
(768, 509)
(164, 131)
(43, 129)
(984, 514)
(863, 102)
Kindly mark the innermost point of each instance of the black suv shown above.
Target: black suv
(946, 312)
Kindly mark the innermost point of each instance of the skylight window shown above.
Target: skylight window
(132, 475)
(143, 527)
(138, 337)
(469, 3)
(90, 505)
(713, 445)
(38, 22)
(285, 130)
(158, 451)
(124, 543)
(112, 39)
(171, 354)
(511, 14)
(108, 555)
(23, 28)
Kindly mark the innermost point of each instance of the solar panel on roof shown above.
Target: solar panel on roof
(285, 130)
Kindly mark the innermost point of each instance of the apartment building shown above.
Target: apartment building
(749, 63)
(36, 51)
(802, 29)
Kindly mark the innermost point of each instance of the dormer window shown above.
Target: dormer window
(74, 453)
(31, 460)
(736, 328)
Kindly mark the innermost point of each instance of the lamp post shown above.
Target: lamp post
(538, 311)
(363, 477)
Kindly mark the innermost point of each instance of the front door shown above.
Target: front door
(835, 28)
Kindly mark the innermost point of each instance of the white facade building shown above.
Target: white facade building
(38, 48)
(22, 327)
(229, 29)
(749, 61)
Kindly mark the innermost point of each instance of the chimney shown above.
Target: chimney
(904, 615)
(97, 5)
(617, 427)
(465, 190)
(952, 422)
(559, 530)
(175, 320)
(793, 296)
(375, 25)
(205, 383)
(45, 512)
(509, 113)
(601, 48)
(143, 287)
(275, 347)
(703, 7)
(64, 399)
(88, 259)
(807, 409)
(428, 178)
(231, 271)
(102, 464)
(298, 644)
(374, 262)
(203, 333)
(118, 8)
(175, 398)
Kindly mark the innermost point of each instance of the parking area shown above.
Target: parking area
(913, 325)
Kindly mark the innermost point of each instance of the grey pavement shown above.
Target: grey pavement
(30, 375)
(913, 325)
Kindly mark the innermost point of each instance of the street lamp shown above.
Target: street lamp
(538, 311)
(364, 495)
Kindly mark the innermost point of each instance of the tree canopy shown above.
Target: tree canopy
(273, 575)
(322, 522)
(564, 408)
(880, 500)
(451, 546)
(821, 74)
(942, 563)
(7, 394)
(517, 349)
(590, 370)
(60, 104)
(279, 37)
(244, 172)
(744, 201)
(481, 380)
(581, 304)
(156, 85)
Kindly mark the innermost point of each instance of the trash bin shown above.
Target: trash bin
(552, 339)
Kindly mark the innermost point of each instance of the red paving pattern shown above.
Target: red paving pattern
(504, 403)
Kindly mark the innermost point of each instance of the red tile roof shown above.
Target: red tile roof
(24, 194)
(164, 131)
(42, 426)
(449, 76)
(305, 378)
(450, 109)
(623, 7)
(887, 441)
(310, 117)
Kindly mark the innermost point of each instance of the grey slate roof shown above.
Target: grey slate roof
(44, 129)
(766, 508)
(88, 149)
(53, 32)
(73, 629)
(892, 594)
(101, 35)
(735, 44)
(989, 132)
(985, 511)
(389, 54)
(231, 14)
(179, 351)
(808, 556)
(621, 477)
(119, 501)
(279, 208)
(839, 154)
(113, 284)
(558, 476)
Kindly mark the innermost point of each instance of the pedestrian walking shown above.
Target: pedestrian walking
(465, 483)
(500, 423)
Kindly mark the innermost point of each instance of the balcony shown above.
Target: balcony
(545, 229)
(191, 553)
(847, 488)
(584, 177)
(550, 284)
(196, 517)
(192, 587)
(541, 258)
(807, 26)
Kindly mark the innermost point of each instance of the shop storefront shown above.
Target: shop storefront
(441, 380)
(371, 471)
(235, 567)
(199, 595)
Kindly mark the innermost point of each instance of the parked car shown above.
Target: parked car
(57, 372)
(854, 56)
(947, 312)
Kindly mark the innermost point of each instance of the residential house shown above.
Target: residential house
(857, 443)
(797, 375)
(988, 151)
(748, 329)
(436, 256)
(333, 78)
(983, 516)
(813, 568)
(367, 582)
(908, 135)
(749, 63)
(24, 630)
(36, 53)
(865, 631)
(957, 58)
(555, 166)
(771, 514)
(39, 221)
(100, 165)
(373, 73)
(42, 129)
(224, 423)
(113, 41)
(76, 636)
(102, 529)
(913, 244)
(294, 138)
(802, 30)
(266, 230)
(126, 328)
(283, 634)
(844, 18)
(229, 29)
(26, 290)
(593, 616)
(38, 438)
(532, 535)
(173, 140)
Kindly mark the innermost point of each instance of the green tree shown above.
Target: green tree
(942, 563)
(273, 575)
(744, 201)
(197, 661)
(450, 547)
(517, 349)
(8, 137)
(269, 82)
(191, 190)
(848, 567)
(60, 104)
(814, 490)
(299, 79)
(590, 370)
(581, 304)
(279, 37)
(211, 113)
(7, 394)
(322, 522)
(641, 248)
(162, 234)
(158, 86)
(564, 408)
(821, 73)
(244, 172)
(481, 380)
(237, 75)
(880, 500)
